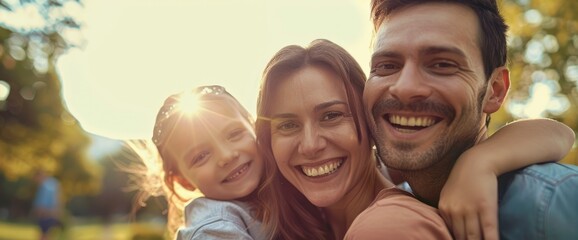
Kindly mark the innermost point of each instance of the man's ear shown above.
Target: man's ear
(497, 89)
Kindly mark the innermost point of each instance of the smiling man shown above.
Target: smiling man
(437, 73)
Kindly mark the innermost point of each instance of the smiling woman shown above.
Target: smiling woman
(120, 77)
(319, 140)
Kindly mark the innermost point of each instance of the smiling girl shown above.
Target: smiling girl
(206, 141)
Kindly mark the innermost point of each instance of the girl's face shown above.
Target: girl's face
(313, 136)
(216, 151)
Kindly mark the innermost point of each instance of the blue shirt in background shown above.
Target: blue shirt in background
(47, 195)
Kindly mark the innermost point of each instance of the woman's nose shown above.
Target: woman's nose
(311, 142)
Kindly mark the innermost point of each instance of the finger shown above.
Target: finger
(473, 227)
(458, 228)
(489, 221)
(447, 219)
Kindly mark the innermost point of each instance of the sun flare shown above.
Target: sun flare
(189, 104)
(194, 43)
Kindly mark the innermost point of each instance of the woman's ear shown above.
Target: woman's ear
(497, 89)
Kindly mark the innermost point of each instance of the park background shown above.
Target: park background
(77, 78)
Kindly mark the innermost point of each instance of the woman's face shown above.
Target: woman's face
(216, 151)
(313, 136)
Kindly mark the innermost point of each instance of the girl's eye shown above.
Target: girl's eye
(199, 159)
(384, 69)
(444, 67)
(236, 134)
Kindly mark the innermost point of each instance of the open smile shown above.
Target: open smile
(237, 172)
(410, 124)
(324, 169)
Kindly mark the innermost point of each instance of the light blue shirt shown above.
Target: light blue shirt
(213, 219)
(47, 194)
(539, 202)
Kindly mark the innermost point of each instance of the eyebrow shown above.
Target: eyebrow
(442, 49)
(200, 146)
(426, 51)
(325, 105)
(385, 54)
(317, 108)
(194, 149)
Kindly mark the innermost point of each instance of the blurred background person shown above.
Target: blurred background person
(46, 205)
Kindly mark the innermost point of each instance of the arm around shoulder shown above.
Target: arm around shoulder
(525, 142)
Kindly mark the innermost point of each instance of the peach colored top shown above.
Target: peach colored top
(396, 214)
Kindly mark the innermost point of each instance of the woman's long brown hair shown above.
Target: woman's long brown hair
(290, 214)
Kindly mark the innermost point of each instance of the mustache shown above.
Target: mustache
(390, 105)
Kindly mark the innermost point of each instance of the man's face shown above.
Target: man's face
(424, 94)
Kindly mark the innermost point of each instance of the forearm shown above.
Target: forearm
(523, 143)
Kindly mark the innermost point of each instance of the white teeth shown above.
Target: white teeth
(412, 121)
(325, 169)
(242, 170)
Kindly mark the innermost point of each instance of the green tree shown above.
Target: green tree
(36, 130)
(543, 59)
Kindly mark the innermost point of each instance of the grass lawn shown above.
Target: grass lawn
(117, 231)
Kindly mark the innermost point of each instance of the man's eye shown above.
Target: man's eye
(444, 67)
(384, 69)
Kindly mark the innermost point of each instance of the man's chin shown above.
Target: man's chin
(405, 157)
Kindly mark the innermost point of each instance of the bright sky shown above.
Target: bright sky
(140, 51)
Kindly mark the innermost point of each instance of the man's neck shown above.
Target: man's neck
(427, 184)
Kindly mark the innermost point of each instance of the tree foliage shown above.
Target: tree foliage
(543, 62)
(36, 130)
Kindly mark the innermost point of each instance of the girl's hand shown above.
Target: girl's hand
(469, 200)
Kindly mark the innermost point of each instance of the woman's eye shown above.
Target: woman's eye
(384, 69)
(286, 126)
(332, 116)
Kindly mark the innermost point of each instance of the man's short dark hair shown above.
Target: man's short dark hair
(492, 36)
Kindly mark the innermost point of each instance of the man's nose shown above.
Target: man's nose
(411, 86)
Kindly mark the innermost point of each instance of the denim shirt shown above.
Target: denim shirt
(213, 219)
(539, 202)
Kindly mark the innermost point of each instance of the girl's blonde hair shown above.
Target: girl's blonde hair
(167, 119)
(162, 174)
